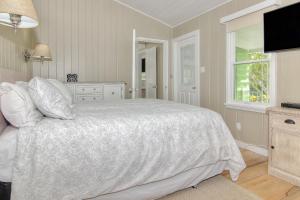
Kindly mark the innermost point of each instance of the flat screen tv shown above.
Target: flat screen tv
(282, 28)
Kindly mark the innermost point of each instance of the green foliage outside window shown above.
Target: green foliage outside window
(252, 78)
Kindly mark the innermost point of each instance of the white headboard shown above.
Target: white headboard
(10, 76)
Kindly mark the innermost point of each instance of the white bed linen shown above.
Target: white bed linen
(8, 145)
(111, 147)
(162, 188)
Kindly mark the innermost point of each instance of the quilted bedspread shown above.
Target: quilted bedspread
(114, 146)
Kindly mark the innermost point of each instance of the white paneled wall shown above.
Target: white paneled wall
(91, 38)
(12, 47)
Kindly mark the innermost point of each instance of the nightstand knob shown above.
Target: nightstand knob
(113, 93)
(272, 147)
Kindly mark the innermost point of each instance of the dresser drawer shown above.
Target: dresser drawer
(85, 89)
(112, 92)
(283, 121)
(89, 98)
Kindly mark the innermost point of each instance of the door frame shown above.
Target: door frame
(165, 44)
(196, 35)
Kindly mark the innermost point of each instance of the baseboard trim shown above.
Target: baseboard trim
(256, 149)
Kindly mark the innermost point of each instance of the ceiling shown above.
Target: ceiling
(173, 12)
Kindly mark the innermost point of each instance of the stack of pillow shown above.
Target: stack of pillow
(24, 104)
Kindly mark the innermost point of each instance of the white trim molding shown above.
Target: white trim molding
(250, 147)
(249, 10)
(133, 89)
(247, 106)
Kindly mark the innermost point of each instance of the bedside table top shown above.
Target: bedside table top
(291, 111)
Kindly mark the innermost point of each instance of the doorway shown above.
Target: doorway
(150, 68)
(186, 52)
(149, 71)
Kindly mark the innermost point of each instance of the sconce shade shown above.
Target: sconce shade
(42, 53)
(22, 11)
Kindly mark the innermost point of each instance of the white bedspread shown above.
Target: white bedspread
(8, 146)
(111, 147)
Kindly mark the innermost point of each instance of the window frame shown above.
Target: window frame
(230, 80)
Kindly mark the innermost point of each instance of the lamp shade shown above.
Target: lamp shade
(42, 53)
(21, 10)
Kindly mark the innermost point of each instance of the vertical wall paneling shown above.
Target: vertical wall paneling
(60, 66)
(82, 40)
(101, 39)
(36, 66)
(91, 38)
(67, 38)
(12, 46)
(75, 33)
(45, 35)
(52, 38)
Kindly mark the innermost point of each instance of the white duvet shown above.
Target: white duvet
(111, 147)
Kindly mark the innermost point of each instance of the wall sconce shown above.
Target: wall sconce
(41, 53)
(18, 14)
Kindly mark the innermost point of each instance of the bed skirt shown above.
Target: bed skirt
(5, 190)
(162, 188)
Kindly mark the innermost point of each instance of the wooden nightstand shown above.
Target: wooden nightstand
(284, 144)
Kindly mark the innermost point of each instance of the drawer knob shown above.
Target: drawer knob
(113, 93)
(290, 121)
(272, 147)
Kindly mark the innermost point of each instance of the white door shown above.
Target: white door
(146, 83)
(151, 80)
(187, 77)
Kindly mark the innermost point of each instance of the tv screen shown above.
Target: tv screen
(282, 28)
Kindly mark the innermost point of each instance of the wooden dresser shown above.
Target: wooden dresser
(96, 92)
(284, 140)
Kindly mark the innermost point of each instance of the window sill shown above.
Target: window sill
(247, 107)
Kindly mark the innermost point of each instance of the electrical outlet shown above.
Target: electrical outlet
(238, 126)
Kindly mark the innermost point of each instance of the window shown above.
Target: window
(250, 72)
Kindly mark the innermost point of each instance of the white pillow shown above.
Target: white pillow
(49, 99)
(63, 89)
(17, 106)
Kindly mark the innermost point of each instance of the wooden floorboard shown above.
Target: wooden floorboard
(255, 178)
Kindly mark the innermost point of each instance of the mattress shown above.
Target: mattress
(8, 145)
(114, 146)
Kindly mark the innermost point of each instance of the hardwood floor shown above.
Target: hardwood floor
(255, 178)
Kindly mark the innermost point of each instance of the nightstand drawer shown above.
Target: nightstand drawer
(283, 121)
(89, 89)
(89, 98)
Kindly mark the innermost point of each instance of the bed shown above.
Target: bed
(129, 150)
